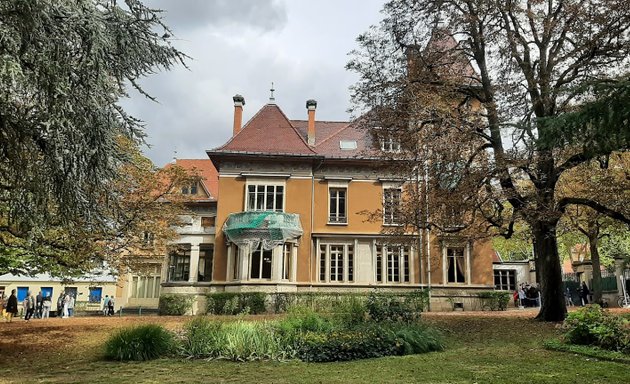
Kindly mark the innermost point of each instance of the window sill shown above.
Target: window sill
(337, 223)
(392, 225)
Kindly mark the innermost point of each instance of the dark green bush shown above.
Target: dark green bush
(346, 345)
(382, 308)
(592, 325)
(495, 300)
(368, 341)
(233, 303)
(174, 305)
(144, 342)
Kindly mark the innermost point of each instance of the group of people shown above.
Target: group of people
(583, 293)
(36, 307)
(108, 306)
(527, 295)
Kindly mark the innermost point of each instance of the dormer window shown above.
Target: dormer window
(347, 145)
(390, 144)
(189, 189)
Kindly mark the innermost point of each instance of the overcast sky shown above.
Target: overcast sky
(241, 46)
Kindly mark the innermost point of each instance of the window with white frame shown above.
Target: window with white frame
(392, 264)
(336, 263)
(260, 267)
(147, 285)
(389, 143)
(206, 258)
(179, 264)
(287, 249)
(456, 264)
(261, 197)
(505, 279)
(391, 206)
(337, 205)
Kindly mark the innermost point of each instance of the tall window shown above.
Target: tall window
(391, 206)
(287, 249)
(336, 263)
(179, 265)
(265, 198)
(261, 263)
(392, 264)
(146, 286)
(337, 210)
(206, 256)
(456, 264)
(505, 280)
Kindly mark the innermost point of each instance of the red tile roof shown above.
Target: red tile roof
(207, 171)
(269, 132)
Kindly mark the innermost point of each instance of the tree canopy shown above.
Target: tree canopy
(64, 65)
(518, 92)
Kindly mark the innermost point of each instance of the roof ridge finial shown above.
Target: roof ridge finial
(272, 100)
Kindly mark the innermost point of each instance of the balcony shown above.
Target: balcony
(267, 227)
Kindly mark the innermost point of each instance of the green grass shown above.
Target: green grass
(484, 349)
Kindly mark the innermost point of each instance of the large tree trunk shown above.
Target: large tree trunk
(597, 272)
(548, 262)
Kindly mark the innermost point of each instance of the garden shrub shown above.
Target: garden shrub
(232, 303)
(198, 337)
(144, 342)
(174, 305)
(383, 308)
(368, 341)
(495, 300)
(592, 325)
(346, 345)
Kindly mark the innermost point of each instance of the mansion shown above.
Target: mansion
(284, 206)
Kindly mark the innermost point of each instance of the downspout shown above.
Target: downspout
(428, 231)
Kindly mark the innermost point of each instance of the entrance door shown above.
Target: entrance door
(71, 291)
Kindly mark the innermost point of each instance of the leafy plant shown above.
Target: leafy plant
(390, 308)
(198, 338)
(495, 300)
(174, 304)
(232, 303)
(592, 325)
(144, 342)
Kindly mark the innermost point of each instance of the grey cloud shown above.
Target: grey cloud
(181, 15)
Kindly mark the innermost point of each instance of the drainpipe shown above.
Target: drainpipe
(428, 231)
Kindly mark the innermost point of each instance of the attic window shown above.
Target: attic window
(348, 144)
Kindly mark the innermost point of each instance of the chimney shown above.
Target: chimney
(311, 105)
(239, 101)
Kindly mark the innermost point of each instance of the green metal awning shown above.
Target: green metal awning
(255, 227)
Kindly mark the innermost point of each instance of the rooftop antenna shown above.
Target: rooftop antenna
(272, 100)
(175, 156)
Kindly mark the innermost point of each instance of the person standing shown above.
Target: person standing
(111, 306)
(106, 306)
(46, 304)
(39, 305)
(12, 306)
(66, 301)
(584, 293)
(29, 306)
(60, 305)
(71, 305)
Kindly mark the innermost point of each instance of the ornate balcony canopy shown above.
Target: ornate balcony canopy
(262, 227)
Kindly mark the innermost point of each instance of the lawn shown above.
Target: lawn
(504, 347)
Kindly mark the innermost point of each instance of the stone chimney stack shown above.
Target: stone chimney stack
(239, 101)
(311, 105)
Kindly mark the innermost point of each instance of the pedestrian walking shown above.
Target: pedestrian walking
(584, 293)
(12, 306)
(106, 306)
(29, 306)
